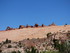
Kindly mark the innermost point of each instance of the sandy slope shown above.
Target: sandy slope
(20, 34)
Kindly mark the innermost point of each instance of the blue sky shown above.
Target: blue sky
(22, 12)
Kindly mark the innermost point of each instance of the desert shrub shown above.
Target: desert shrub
(33, 50)
(20, 46)
(15, 46)
(0, 51)
(18, 51)
(0, 43)
(9, 46)
(28, 39)
(49, 52)
(7, 41)
(38, 38)
(19, 43)
(63, 47)
(56, 43)
(68, 34)
(43, 45)
(48, 34)
(13, 52)
(4, 42)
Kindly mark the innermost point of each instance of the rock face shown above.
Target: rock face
(20, 34)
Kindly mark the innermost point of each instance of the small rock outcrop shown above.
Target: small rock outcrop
(21, 27)
(28, 26)
(43, 25)
(36, 25)
(9, 28)
(53, 24)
